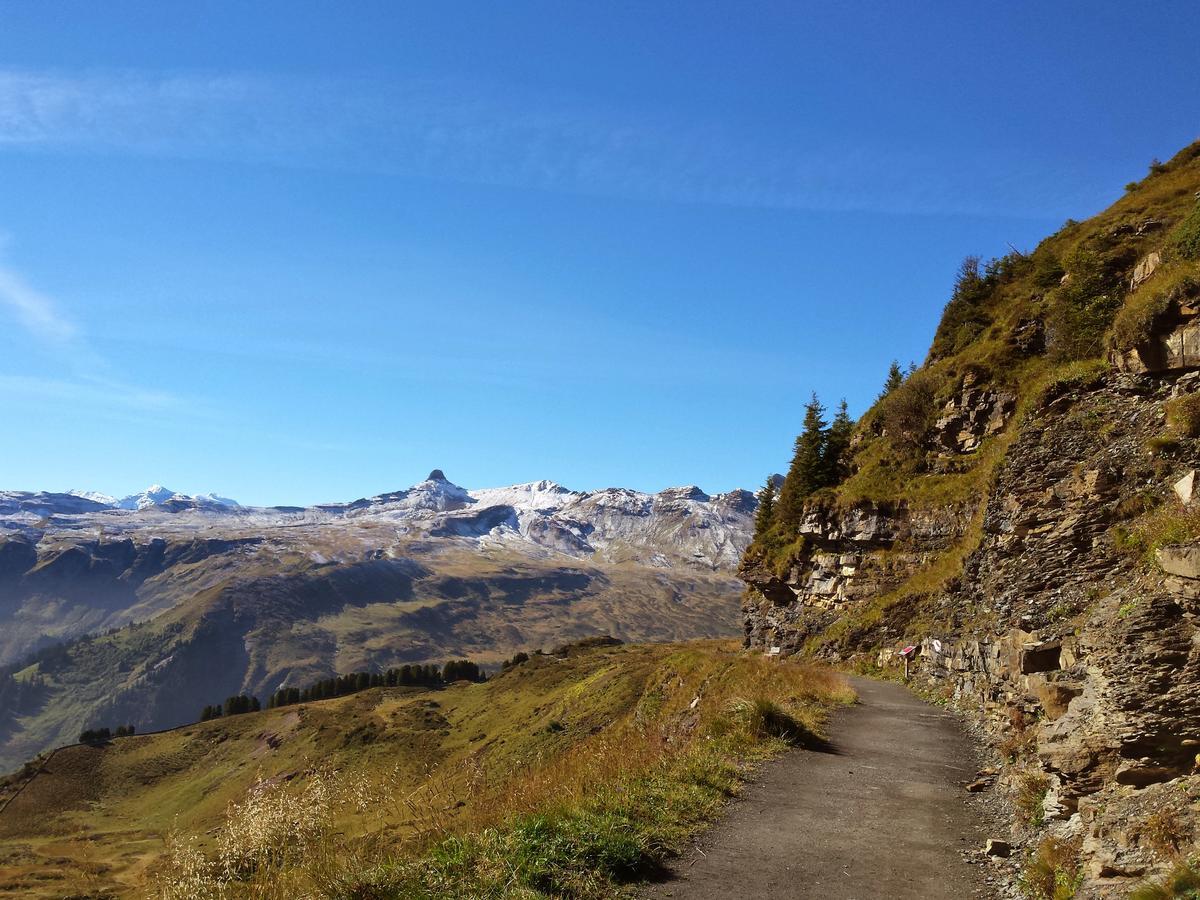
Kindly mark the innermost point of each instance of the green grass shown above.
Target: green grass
(565, 776)
(1171, 283)
(1184, 240)
(1169, 524)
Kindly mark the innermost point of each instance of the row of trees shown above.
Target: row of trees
(339, 686)
(404, 676)
(517, 658)
(233, 706)
(407, 675)
(102, 735)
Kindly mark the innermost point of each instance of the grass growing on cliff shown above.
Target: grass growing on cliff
(1181, 883)
(992, 302)
(1168, 524)
(1030, 798)
(1135, 322)
(1053, 872)
(900, 606)
(579, 822)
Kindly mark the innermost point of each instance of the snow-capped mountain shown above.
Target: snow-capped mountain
(155, 495)
(151, 496)
(676, 526)
(96, 497)
(231, 596)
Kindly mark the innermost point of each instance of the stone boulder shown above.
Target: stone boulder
(1185, 487)
(1182, 562)
(1145, 268)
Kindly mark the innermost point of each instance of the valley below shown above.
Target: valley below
(143, 616)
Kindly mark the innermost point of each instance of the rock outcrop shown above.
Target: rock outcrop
(1083, 663)
(848, 557)
(972, 415)
(1031, 548)
(1175, 347)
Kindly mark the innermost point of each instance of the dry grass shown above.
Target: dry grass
(1029, 796)
(1165, 833)
(1020, 739)
(1181, 883)
(1053, 872)
(1136, 321)
(1165, 525)
(1183, 416)
(572, 822)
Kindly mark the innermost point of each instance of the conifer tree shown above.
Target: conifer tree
(895, 378)
(806, 473)
(766, 507)
(837, 446)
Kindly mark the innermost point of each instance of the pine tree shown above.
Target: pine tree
(766, 507)
(837, 446)
(806, 473)
(895, 378)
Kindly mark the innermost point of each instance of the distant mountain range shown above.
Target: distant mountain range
(155, 495)
(676, 526)
(167, 602)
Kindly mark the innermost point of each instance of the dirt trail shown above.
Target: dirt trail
(881, 815)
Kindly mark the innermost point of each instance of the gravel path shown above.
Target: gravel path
(883, 815)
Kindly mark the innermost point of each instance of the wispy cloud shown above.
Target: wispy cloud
(97, 393)
(82, 376)
(453, 131)
(39, 314)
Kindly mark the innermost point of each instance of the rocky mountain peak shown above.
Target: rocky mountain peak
(685, 492)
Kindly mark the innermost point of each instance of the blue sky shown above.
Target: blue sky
(297, 252)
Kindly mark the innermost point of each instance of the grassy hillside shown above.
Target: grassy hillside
(1075, 283)
(565, 776)
(274, 624)
(1029, 325)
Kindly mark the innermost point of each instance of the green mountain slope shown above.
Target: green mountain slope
(376, 788)
(255, 625)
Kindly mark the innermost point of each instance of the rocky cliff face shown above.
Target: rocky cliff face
(849, 556)
(1082, 662)
(1057, 600)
